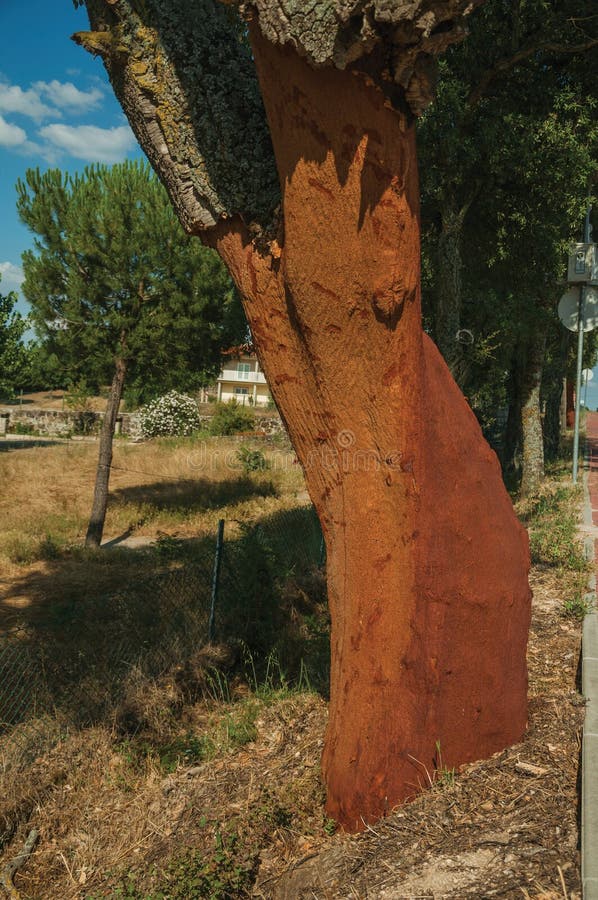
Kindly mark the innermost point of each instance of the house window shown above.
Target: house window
(241, 390)
(243, 371)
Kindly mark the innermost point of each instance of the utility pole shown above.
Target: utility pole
(581, 322)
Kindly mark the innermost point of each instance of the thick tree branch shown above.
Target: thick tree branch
(187, 84)
(505, 65)
(184, 75)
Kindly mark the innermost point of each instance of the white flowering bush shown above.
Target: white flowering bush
(172, 414)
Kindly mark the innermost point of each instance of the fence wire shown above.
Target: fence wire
(71, 668)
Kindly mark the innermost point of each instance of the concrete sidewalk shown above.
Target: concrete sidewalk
(589, 804)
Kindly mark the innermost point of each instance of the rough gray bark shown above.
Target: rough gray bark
(95, 529)
(523, 459)
(191, 95)
(184, 75)
(347, 33)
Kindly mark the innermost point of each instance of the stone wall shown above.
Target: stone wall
(65, 423)
(52, 422)
(61, 422)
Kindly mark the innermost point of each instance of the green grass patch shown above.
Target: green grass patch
(552, 518)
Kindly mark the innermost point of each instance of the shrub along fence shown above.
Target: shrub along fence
(73, 665)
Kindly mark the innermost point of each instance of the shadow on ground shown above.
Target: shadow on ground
(98, 617)
(194, 493)
(25, 443)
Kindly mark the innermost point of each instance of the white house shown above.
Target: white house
(241, 378)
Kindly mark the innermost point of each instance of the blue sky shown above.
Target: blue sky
(57, 110)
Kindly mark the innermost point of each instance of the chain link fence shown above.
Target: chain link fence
(70, 667)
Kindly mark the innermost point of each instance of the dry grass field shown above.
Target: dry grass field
(165, 487)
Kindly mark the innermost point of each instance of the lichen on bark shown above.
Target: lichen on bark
(185, 77)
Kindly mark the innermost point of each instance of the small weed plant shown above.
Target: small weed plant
(22, 428)
(252, 460)
(579, 607)
(79, 396)
(443, 776)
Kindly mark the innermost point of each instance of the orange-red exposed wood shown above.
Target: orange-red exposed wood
(427, 564)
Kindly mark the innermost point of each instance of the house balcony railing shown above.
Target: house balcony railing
(242, 377)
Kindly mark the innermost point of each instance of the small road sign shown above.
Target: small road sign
(568, 308)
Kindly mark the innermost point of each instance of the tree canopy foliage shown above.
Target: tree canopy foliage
(507, 154)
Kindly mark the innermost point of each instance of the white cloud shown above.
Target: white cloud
(11, 135)
(14, 99)
(65, 95)
(90, 143)
(46, 99)
(12, 276)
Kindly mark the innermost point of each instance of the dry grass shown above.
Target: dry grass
(220, 780)
(164, 487)
(54, 400)
(103, 810)
(113, 818)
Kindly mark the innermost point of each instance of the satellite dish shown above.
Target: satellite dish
(587, 375)
(569, 305)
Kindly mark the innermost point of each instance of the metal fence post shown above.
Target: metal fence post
(216, 579)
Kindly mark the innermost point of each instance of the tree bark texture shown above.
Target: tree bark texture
(524, 441)
(427, 564)
(447, 312)
(532, 468)
(95, 529)
(553, 395)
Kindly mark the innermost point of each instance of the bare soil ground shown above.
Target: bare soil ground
(52, 400)
(505, 827)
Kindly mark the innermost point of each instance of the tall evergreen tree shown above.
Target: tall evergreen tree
(119, 291)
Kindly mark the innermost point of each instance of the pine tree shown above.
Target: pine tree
(119, 292)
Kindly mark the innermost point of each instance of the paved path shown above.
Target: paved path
(589, 816)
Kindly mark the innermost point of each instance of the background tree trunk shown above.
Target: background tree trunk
(447, 311)
(513, 445)
(97, 518)
(524, 442)
(532, 470)
(427, 564)
(552, 392)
